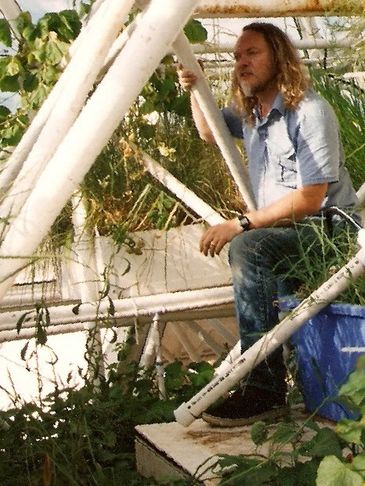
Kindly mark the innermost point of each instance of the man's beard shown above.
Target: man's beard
(250, 91)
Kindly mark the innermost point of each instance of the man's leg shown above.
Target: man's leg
(257, 259)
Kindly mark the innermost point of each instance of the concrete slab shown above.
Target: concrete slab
(171, 450)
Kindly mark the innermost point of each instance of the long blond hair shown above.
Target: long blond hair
(292, 80)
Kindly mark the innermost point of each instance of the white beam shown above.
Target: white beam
(102, 114)
(215, 120)
(277, 8)
(61, 108)
(187, 196)
(244, 363)
(169, 306)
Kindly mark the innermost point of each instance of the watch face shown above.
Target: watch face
(245, 223)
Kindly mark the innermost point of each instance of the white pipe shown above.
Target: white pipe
(102, 114)
(215, 120)
(128, 308)
(231, 357)
(152, 340)
(361, 195)
(15, 162)
(80, 76)
(308, 43)
(276, 8)
(222, 383)
(186, 195)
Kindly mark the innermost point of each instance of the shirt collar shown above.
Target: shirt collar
(278, 105)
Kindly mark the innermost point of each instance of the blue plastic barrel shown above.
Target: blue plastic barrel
(328, 346)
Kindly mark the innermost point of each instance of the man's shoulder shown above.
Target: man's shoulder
(313, 105)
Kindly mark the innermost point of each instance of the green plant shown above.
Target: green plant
(348, 101)
(324, 257)
(85, 436)
(304, 453)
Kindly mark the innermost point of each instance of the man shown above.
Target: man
(296, 167)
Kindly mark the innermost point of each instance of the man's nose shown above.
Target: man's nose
(242, 61)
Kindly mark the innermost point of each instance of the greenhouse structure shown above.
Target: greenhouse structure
(137, 274)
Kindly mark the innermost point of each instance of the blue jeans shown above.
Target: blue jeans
(260, 260)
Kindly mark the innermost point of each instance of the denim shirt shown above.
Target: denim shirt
(290, 149)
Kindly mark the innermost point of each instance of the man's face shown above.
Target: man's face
(254, 68)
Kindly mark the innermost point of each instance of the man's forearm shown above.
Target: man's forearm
(200, 121)
(292, 207)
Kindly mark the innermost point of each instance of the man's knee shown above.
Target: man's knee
(245, 244)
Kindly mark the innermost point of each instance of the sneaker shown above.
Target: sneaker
(244, 407)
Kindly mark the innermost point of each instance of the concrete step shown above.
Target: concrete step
(170, 450)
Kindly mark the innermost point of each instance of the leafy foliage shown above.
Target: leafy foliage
(306, 454)
(86, 436)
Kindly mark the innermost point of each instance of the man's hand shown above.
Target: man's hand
(217, 236)
(187, 78)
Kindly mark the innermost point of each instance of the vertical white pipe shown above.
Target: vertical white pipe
(149, 42)
(215, 120)
(222, 383)
(80, 76)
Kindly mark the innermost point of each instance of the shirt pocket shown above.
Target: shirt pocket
(284, 163)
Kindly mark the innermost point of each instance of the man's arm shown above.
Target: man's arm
(292, 207)
(187, 80)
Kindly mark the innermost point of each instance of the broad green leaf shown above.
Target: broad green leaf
(24, 21)
(37, 96)
(4, 112)
(4, 61)
(9, 83)
(259, 432)
(14, 67)
(5, 33)
(286, 432)
(203, 373)
(30, 82)
(12, 135)
(302, 474)
(70, 24)
(54, 51)
(324, 443)
(50, 22)
(350, 430)
(332, 472)
(354, 388)
(358, 464)
(195, 31)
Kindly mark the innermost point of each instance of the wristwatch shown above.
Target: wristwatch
(245, 223)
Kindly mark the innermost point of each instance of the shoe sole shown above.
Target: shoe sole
(228, 422)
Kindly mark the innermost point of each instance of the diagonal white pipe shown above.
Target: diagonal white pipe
(131, 70)
(187, 196)
(224, 381)
(62, 108)
(215, 120)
